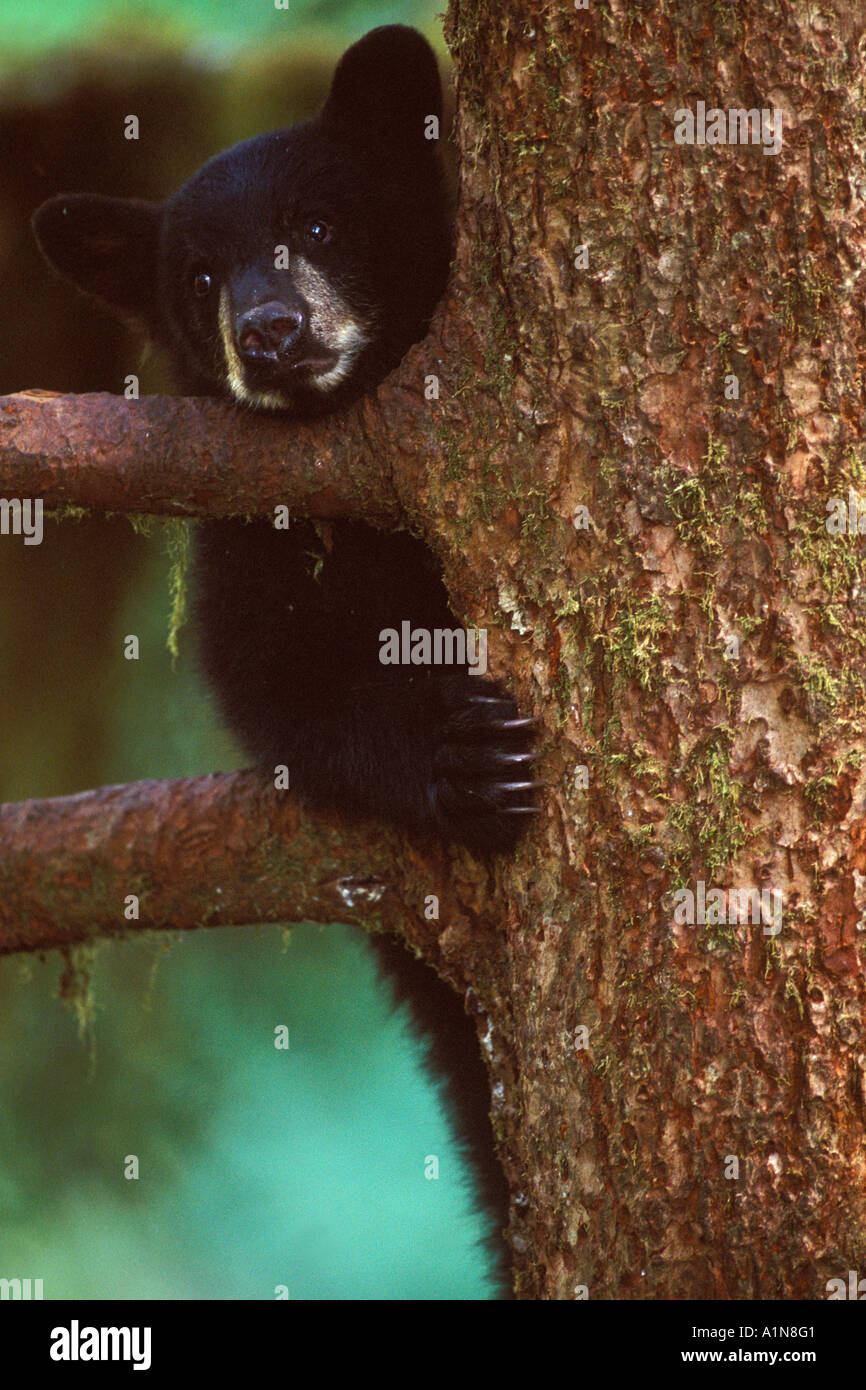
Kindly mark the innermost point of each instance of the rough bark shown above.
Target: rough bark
(697, 645)
(737, 764)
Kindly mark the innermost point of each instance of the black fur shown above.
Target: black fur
(288, 622)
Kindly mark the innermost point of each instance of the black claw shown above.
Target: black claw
(486, 742)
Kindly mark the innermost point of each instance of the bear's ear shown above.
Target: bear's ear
(384, 88)
(106, 246)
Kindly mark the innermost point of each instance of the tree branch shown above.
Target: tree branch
(205, 851)
(193, 456)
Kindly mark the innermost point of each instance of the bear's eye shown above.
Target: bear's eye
(202, 282)
(319, 231)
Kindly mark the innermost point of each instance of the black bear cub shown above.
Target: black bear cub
(292, 273)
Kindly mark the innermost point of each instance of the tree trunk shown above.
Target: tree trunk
(681, 1106)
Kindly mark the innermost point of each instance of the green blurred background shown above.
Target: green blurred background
(258, 1167)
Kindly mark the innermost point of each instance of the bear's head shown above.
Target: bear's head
(294, 270)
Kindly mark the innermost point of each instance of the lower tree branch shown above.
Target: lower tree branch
(205, 851)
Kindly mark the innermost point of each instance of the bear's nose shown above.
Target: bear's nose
(271, 330)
